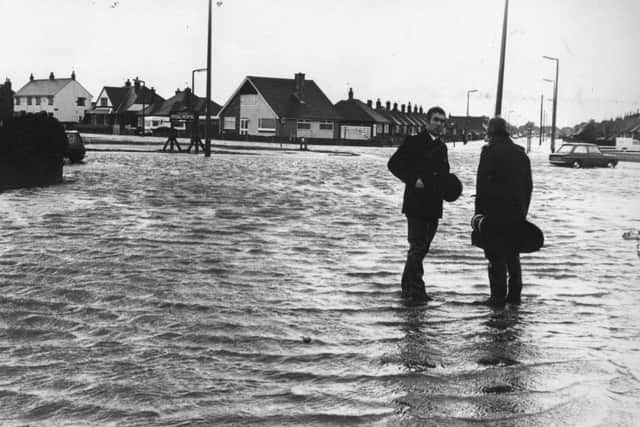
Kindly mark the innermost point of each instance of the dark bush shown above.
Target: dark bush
(32, 148)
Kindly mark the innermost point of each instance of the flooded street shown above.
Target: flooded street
(156, 289)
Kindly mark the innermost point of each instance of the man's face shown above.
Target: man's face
(436, 124)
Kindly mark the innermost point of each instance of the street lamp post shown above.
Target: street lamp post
(466, 120)
(195, 131)
(541, 124)
(555, 103)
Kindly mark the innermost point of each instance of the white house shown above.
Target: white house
(66, 99)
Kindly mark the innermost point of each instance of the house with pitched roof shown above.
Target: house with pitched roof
(359, 120)
(6, 101)
(123, 107)
(180, 111)
(276, 107)
(65, 99)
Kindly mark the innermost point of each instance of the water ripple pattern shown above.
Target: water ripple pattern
(263, 288)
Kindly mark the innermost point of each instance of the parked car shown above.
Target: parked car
(75, 149)
(581, 155)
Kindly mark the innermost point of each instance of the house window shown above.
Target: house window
(266, 125)
(104, 102)
(326, 125)
(80, 102)
(17, 98)
(50, 99)
(304, 124)
(29, 100)
(37, 100)
(229, 123)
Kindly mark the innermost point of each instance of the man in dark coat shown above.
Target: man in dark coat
(503, 195)
(420, 162)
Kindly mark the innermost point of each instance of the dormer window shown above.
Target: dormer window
(104, 102)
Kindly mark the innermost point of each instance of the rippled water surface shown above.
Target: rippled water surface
(155, 289)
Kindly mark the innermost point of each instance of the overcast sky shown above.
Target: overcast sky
(425, 51)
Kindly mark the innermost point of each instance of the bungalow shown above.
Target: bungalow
(122, 107)
(6, 101)
(65, 99)
(359, 120)
(288, 108)
(179, 112)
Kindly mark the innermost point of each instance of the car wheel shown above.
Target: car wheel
(576, 164)
(611, 164)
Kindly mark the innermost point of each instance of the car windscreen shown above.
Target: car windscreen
(564, 149)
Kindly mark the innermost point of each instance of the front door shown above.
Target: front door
(244, 126)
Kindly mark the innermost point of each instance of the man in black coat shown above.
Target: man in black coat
(420, 162)
(503, 195)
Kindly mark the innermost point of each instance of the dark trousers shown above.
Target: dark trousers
(420, 234)
(501, 263)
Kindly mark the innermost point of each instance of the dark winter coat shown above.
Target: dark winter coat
(419, 156)
(503, 193)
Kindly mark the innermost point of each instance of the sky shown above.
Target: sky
(421, 51)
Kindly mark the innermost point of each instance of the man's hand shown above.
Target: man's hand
(419, 183)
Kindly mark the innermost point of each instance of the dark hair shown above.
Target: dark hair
(434, 110)
(497, 127)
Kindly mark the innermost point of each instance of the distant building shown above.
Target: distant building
(122, 107)
(359, 120)
(65, 99)
(404, 121)
(290, 108)
(6, 101)
(179, 112)
(474, 126)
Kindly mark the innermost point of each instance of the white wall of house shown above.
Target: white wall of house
(315, 129)
(361, 133)
(254, 108)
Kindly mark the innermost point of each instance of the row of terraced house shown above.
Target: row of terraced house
(261, 108)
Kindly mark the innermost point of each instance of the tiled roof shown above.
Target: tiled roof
(280, 95)
(43, 87)
(470, 123)
(180, 103)
(117, 95)
(357, 111)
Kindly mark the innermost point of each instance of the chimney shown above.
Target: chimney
(7, 84)
(31, 77)
(178, 91)
(378, 104)
(51, 76)
(299, 80)
(415, 109)
(136, 84)
(73, 75)
(350, 94)
(369, 103)
(388, 105)
(409, 107)
(421, 111)
(127, 83)
(395, 106)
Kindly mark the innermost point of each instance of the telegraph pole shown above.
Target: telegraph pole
(502, 53)
(207, 122)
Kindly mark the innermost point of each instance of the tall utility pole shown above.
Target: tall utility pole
(466, 120)
(207, 121)
(555, 104)
(502, 53)
(541, 110)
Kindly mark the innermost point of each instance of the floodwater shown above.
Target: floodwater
(263, 288)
